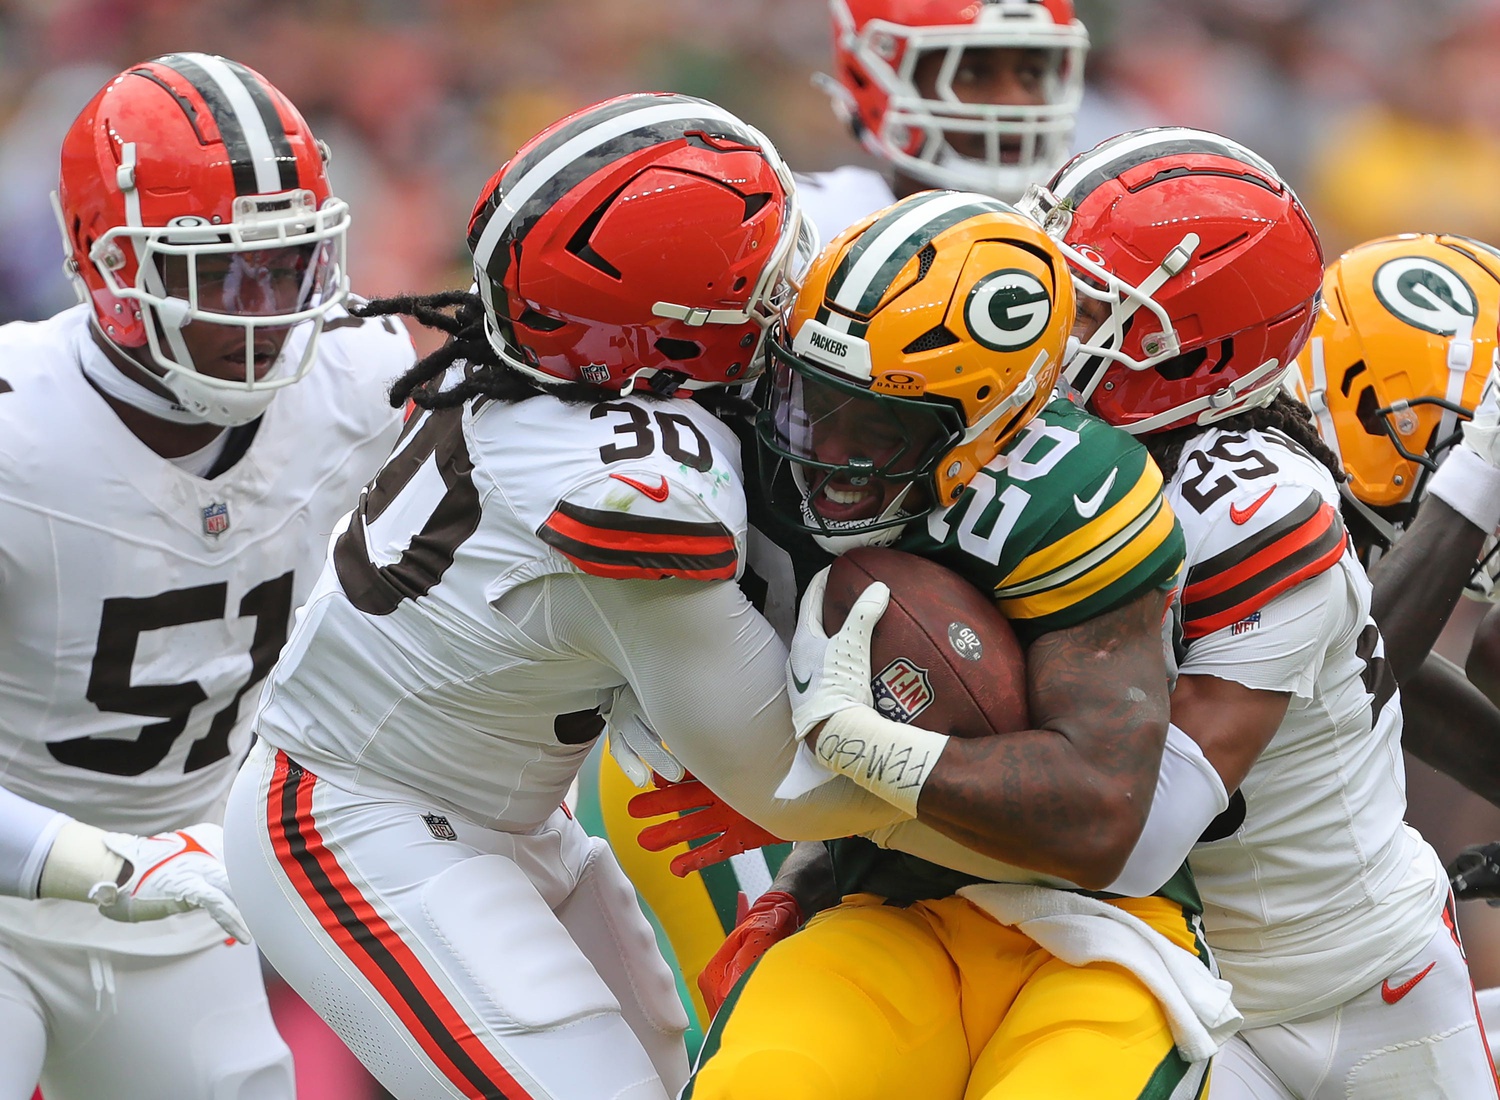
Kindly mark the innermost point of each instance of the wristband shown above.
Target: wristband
(888, 759)
(1470, 486)
(78, 863)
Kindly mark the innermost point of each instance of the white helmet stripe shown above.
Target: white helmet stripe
(262, 153)
(894, 239)
(520, 191)
(1117, 155)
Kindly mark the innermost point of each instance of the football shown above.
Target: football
(942, 655)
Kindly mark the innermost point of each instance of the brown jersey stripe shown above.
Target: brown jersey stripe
(1299, 556)
(619, 544)
(1208, 576)
(373, 946)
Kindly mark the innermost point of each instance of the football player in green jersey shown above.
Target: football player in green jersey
(910, 404)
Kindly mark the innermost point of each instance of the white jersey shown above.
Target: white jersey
(141, 606)
(513, 569)
(835, 200)
(1322, 890)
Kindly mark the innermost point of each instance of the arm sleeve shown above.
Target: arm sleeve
(27, 831)
(1279, 647)
(710, 675)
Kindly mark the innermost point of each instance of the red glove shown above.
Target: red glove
(774, 917)
(700, 816)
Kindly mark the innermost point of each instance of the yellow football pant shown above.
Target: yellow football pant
(937, 1001)
(695, 913)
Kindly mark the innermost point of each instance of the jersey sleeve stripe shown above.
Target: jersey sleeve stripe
(1302, 551)
(1094, 553)
(626, 546)
(1204, 576)
(1157, 536)
(1135, 502)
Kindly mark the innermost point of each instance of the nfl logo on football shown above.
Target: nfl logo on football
(902, 690)
(216, 519)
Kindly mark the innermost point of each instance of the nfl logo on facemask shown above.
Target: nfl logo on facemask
(216, 519)
(902, 690)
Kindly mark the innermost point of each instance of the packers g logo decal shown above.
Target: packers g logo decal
(1426, 295)
(1008, 310)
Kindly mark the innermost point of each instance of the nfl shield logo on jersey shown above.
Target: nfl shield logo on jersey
(216, 519)
(902, 690)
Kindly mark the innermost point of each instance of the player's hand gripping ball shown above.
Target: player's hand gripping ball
(942, 656)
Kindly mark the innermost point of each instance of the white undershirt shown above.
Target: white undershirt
(199, 462)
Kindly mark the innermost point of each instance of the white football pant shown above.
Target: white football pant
(455, 960)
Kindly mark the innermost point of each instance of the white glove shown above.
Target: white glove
(826, 675)
(170, 873)
(635, 745)
(1482, 433)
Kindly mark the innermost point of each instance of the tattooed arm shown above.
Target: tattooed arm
(1069, 797)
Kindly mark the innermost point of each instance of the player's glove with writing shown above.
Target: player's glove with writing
(698, 814)
(828, 674)
(170, 873)
(1475, 873)
(774, 917)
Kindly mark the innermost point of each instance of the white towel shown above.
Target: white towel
(1080, 930)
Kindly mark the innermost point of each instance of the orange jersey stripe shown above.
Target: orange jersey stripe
(1285, 546)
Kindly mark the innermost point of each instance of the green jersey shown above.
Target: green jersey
(1066, 523)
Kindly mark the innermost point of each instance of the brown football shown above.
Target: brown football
(942, 655)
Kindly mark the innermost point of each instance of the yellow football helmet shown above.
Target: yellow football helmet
(924, 337)
(1397, 359)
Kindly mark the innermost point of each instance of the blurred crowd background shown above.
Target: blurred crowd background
(1384, 114)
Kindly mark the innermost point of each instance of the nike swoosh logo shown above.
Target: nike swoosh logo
(799, 683)
(1242, 515)
(1087, 508)
(658, 493)
(1390, 996)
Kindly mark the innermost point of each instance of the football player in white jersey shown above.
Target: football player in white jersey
(1330, 916)
(166, 495)
(950, 94)
(556, 535)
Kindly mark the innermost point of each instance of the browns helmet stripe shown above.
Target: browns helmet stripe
(864, 275)
(1078, 179)
(286, 159)
(540, 176)
(255, 141)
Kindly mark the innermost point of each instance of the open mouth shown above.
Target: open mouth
(841, 500)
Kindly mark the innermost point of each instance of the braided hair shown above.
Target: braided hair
(486, 374)
(1284, 414)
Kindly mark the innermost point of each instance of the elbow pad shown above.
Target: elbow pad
(1189, 795)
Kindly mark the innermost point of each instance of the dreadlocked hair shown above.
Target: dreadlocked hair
(1284, 414)
(485, 374)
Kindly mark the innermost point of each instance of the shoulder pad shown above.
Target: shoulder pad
(369, 347)
(676, 510)
(1067, 523)
(1260, 516)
